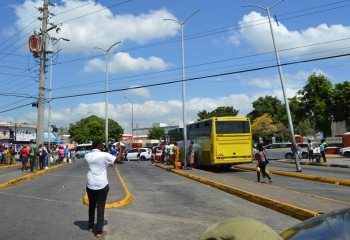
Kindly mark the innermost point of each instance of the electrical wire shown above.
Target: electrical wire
(202, 77)
(17, 10)
(17, 33)
(95, 11)
(56, 14)
(220, 61)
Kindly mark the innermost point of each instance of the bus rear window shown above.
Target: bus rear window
(232, 127)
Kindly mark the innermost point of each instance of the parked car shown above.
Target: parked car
(283, 150)
(345, 152)
(145, 154)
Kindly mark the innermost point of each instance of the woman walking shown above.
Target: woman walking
(191, 150)
(262, 163)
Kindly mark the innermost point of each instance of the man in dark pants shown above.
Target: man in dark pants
(32, 155)
(97, 184)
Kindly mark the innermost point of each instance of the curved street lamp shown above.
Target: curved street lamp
(106, 101)
(267, 9)
(183, 83)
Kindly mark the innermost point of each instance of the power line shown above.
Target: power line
(17, 33)
(202, 77)
(96, 11)
(16, 108)
(220, 61)
(18, 10)
(56, 14)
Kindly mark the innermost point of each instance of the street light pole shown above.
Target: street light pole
(267, 9)
(183, 84)
(132, 121)
(83, 117)
(106, 101)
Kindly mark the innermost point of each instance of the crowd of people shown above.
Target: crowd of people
(30, 154)
(170, 154)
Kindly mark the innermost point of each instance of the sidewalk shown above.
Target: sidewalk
(299, 205)
(332, 161)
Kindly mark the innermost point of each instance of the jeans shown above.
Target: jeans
(45, 161)
(97, 197)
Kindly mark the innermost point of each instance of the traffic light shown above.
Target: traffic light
(35, 104)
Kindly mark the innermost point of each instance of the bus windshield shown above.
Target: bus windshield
(232, 127)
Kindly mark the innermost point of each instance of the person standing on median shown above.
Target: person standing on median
(176, 153)
(97, 184)
(262, 163)
(323, 148)
(311, 151)
(32, 155)
(25, 155)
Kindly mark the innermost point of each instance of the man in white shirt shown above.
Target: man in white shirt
(97, 184)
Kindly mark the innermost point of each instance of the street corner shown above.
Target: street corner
(117, 204)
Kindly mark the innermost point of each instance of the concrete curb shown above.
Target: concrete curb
(10, 166)
(318, 164)
(290, 210)
(302, 176)
(124, 202)
(29, 176)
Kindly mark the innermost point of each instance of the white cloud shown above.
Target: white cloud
(147, 112)
(122, 62)
(139, 92)
(291, 80)
(260, 36)
(103, 28)
(9, 31)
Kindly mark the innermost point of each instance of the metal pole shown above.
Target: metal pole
(41, 95)
(132, 124)
(184, 97)
(106, 103)
(183, 86)
(285, 96)
(298, 168)
(49, 132)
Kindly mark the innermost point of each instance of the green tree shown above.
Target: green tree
(341, 102)
(304, 128)
(156, 133)
(92, 128)
(218, 112)
(315, 97)
(267, 104)
(263, 127)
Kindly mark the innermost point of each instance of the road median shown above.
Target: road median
(282, 207)
(301, 176)
(29, 176)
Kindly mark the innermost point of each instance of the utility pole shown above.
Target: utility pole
(41, 97)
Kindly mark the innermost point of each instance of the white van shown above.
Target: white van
(83, 149)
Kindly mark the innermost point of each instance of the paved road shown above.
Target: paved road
(332, 191)
(164, 206)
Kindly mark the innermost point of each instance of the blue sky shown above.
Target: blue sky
(222, 37)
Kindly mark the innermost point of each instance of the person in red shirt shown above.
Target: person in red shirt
(25, 156)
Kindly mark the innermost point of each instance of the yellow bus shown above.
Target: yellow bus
(220, 141)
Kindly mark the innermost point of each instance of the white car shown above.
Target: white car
(145, 154)
(345, 152)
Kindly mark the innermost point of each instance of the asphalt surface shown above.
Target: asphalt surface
(333, 191)
(164, 206)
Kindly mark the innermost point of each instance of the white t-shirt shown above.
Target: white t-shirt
(97, 174)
